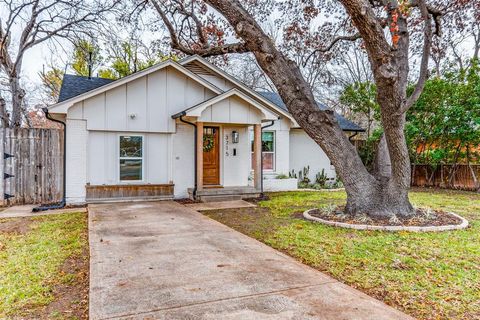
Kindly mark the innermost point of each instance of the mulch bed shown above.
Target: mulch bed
(421, 218)
(187, 201)
(257, 200)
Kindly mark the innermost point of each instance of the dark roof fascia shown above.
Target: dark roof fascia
(179, 114)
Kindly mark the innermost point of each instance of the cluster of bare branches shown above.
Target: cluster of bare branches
(195, 31)
(25, 24)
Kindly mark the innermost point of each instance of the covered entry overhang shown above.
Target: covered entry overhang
(232, 106)
(231, 109)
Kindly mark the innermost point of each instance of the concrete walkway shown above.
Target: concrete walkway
(162, 260)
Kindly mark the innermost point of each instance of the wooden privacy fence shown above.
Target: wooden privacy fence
(32, 165)
(459, 176)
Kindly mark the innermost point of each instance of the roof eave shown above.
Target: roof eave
(269, 114)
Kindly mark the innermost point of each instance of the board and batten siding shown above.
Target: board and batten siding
(103, 165)
(183, 160)
(231, 110)
(145, 104)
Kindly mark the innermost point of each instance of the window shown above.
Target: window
(268, 150)
(131, 158)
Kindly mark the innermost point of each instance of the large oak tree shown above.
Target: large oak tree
(385, 28)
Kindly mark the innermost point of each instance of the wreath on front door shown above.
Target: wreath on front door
(208, 142)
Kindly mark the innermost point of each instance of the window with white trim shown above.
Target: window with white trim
(131, 158)
(268, 150)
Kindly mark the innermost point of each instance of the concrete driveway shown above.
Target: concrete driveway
(162, 260)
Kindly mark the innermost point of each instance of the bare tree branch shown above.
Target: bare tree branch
(437, 14)
(352, 37)
(427, 45)
(40, 21)
(205, 49)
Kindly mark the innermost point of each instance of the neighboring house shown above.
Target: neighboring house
(135, 138)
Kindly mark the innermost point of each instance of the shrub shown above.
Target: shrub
(321, 178)
(337, 184)
(303, 175)
(292, 174)
(303, 185)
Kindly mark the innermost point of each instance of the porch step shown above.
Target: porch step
(128, 199)
(225, 194)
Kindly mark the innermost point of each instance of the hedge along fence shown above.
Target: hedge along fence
(456, 176)
(31, 160)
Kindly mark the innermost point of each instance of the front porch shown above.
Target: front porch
(225, 153)
(216, 164)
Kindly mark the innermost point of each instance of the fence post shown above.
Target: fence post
(2, 164)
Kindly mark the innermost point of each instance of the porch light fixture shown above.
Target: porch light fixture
(235, 137)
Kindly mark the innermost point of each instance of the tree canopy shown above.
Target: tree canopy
(443, 127)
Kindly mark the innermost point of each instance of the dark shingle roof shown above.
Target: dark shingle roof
(73, 85)
(345, 124)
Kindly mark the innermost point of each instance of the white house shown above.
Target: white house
(179, 129)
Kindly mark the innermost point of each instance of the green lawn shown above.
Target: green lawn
(428, 275)
(33, 253)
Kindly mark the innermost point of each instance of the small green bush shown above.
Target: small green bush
(303, 185)
(321, 178)
(303, 175)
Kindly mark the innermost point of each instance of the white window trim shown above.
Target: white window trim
(274, 152)
(130, 158)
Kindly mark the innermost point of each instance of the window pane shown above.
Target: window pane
(267, 141)
(131, 146)
(268, 159)
(130, 169)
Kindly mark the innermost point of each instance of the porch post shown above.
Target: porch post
(257, 156)
(199, 152)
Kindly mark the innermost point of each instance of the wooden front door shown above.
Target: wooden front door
(211, 156)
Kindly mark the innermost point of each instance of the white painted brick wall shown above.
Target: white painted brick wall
(77, 136)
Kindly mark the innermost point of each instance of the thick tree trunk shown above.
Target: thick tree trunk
(366, 194)
(379, 199)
